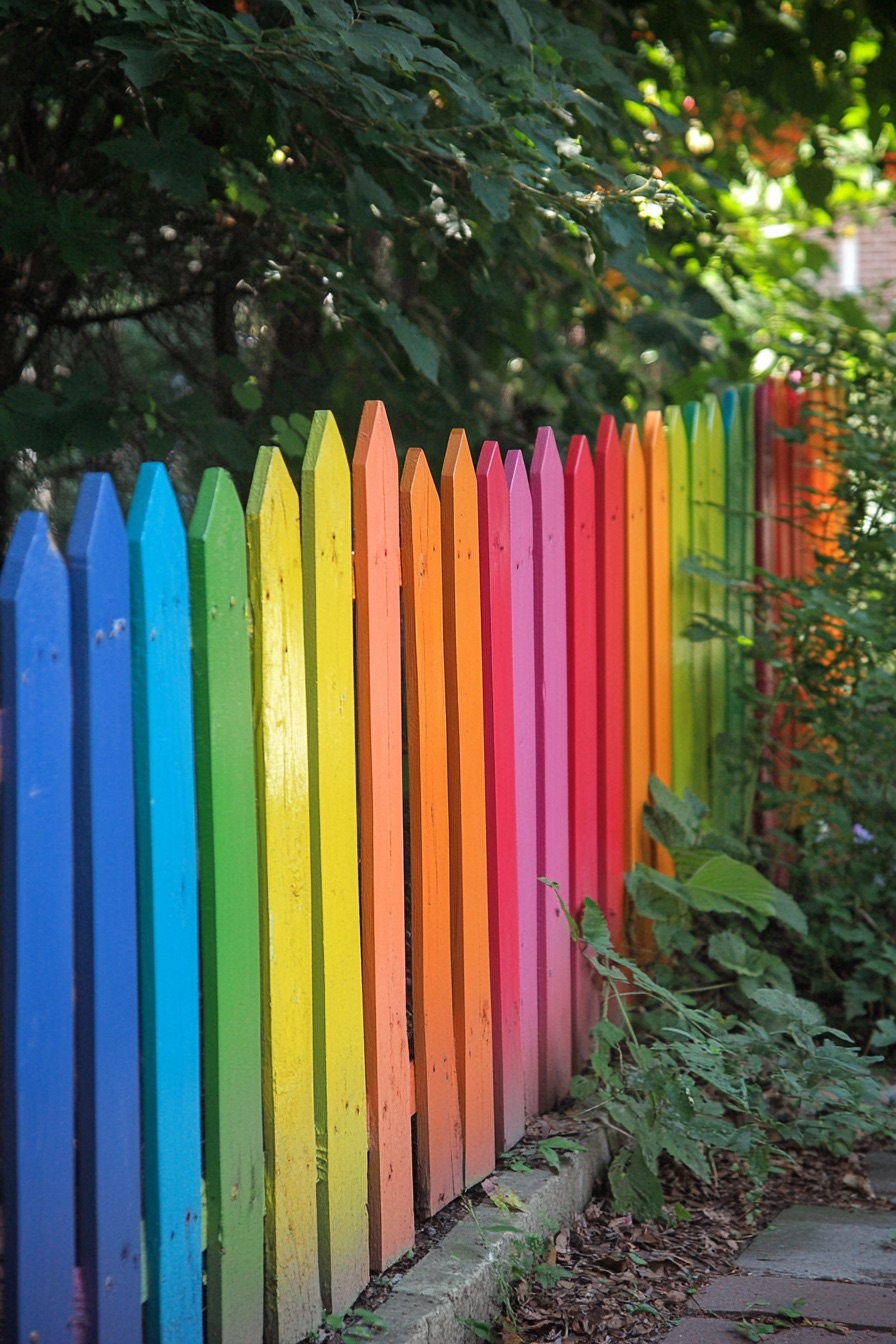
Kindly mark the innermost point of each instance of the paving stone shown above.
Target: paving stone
(708, 1330)
(882, 1174)
(855, 1304)
(812, 1242)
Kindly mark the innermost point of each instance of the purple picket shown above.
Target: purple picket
(551, 769)
(37, 1125)
(107, 1023)
(530, 889)
(500, 792)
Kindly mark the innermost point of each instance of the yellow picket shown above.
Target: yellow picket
(340, 1097)
(292, 1295)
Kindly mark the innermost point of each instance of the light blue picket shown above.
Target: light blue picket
(37, 940)
(168, 910)
(107, 1026)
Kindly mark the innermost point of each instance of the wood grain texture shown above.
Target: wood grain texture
(107, 1047)
(229, 914)
(498, 675)
(637, 675)
(37, 938)
(581, 613)
(659, 611)
(292, 1294)
(339, 1080)
(438, 1132)
(530, 889)
(682, 601)
(164, 786)
(378, 655)
(552, 769)
(467, 810)
(610, 534)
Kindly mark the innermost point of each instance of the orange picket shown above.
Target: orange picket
(637, 673)
(466, 802)
(438, 1132)
(659, 607)
(381, 813)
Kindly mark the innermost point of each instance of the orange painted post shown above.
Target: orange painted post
(637, 674)
(466, 803)
(340, 1096)
(682, 602)
(659, 611)
(609, 475)
(499, 683)
(292, 1293)
(581, 610)
(438, 1132)
(381, 814)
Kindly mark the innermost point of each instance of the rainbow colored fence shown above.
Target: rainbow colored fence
(239, 761)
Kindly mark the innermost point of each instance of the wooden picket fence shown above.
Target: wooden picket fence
(208, 793)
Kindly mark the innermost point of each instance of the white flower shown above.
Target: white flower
(567, 148)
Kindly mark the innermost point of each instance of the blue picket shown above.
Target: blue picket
(107, 1027)
(168, 909)
(37, 939)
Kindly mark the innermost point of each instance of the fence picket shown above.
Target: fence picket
(107, 1044)
(168, 909)
(581, 586)
(229, 916)
(37, 939)
(682, 601)
(552, 769)
(637, 674)
(498, 676)
(694, 416)
(738, 524)
(339, 1080)
(610, 534)
(439, 1161)
(466, 801)
(656, 464)
(292, 1295)
(378, 654)
(716, 654)
(522, 579)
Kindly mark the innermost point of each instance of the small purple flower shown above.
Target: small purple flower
(860, 835)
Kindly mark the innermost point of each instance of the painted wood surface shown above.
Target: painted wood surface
(107, 1045)
(530, 889)
(339, 1080)
(292, 1294)
(659, 612)
(37, 939)
(164, 786)
(498, 677)
(466, 802)
(381, 818)
(694, 416)
(551, 769)
(228, 913)
(682, 601)
(438, 1131)
(581, 595)
(637, 675)
(720, 782)
(610, 533)
(738, 524)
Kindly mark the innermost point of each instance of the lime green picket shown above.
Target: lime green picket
(716, 529)
(228, 893)
(680, 546)
(292, 1296)
(698, 449)
(340, 1100)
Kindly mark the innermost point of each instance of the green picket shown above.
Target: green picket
(680, 546)
(716, 546)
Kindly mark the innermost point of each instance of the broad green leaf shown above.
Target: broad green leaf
(636, 1189)
(595, 929)
(787, 912)
(420, 350)
(725, 884)
(493, 193)
(788, 1011)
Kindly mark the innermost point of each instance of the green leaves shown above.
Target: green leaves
(419, 348)
(174, 160)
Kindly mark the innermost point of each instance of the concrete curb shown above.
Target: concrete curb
(463, 1276)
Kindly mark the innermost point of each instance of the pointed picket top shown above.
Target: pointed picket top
(438, 1127)
(381, 811)
(292, 1294)
(500, 794)
(106, 972)
(609, 494)
(36, 945)
(581, 582)
(519, 498)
